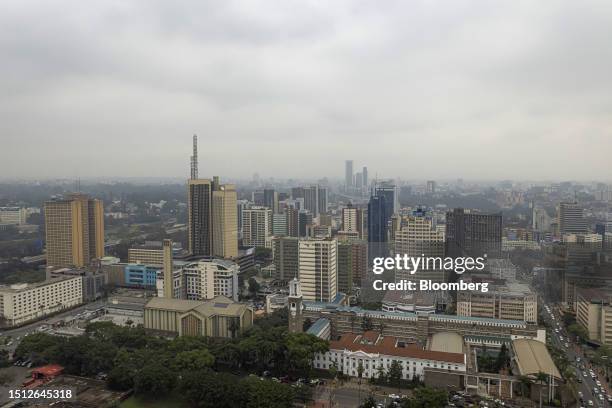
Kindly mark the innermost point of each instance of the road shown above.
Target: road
(559, 339)
(18, 333)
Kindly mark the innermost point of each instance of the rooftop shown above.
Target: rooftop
(20, 287)
(532, 357)
(373, 343)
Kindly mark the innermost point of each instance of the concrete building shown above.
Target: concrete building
(354, 220)
(199, 210)
(207, 279)
(594, 313)
(141, 275)
(376, 353)
(473, 234)
(21, 303)
(571, 219)
(224, 221)
(94, 281)
(318, 269)
(286, 258)
(512, 301)
(279, 225)
(316, 199)
(13, 215)
(74, 229)
(150, 253)
(348, 174)
(416, 237)
(219, 317)
(352, 265)
(256, 226)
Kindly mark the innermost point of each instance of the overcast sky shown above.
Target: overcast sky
(416, 89)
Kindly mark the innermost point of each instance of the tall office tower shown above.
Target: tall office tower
(358, 180)
(318, 269)
(417, 237)
(194, 159)
(257, 226)
(353, 220)
(571, 219)
(352, 265)
(279, 225)
(225, 221)
(199, 210)
(286, 258)
(297, 192)
(167, 269)
(473, 234)
(348, 174)
(541, 221)
(378, 219)
(74, 229)
(431, 186)
(322, 197)
(389, 191)
(304, 219)
(258, 198)
(270, 199)
(240, 205)
(293, 222)
(364, 173)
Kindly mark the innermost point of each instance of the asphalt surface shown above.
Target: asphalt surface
(572, 351)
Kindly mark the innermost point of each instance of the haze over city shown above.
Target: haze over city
(291, 89)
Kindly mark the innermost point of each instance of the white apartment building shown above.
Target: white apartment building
(256, 226)
(318, 269)
(375, 353)
(206, 279)
(13, 215)
(22, 302)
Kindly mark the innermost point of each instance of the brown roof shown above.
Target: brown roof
(388, 346)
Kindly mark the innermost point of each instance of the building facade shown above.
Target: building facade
(256, 226)
(207, 279)
(318, 269)
(224, 221)
(74, 229)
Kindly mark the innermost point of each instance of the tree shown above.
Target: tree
(426, 397)
(359, 375)
(579, 331)
(194, 360)
(301, 349)
(253, 286)
(395, 373)
(366, 323)
(369, 402)
(381, 376)
(260, 394)
(541, 378)
(207, 389)
(154, 379)
(503, 358)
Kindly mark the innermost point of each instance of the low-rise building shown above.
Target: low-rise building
(511, 301)
(206, 279)
(23, 302)
(376, 353)
(219, 317)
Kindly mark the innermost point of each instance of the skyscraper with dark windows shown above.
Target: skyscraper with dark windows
(199, 209)
(389, 191)
(378, 219)
(473, 234)
(571, 219)
(364, 175)
(270, 199)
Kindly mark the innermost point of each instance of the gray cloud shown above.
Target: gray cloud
(512, 89)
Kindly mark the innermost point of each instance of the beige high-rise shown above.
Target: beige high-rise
(225, 221)
(318, 269)
(74, 230)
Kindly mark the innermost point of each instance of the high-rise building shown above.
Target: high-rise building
(240, 205)
(199, 209)
(286, 258)
(257, 226)
(74, 229)
(353, 220)
(512, 301)
(364, 173)
(418, 237)
(316, 199)
(224, 221)
(352, 265)
(389, 191)
(293, 222)
(168, 269)
(473, 234)
(571, 219)
(358, 180)
(431, 186)
(279, 225)
(378, 219)
(207, 279)
(13, 215)
(318, 269)
(304, 219)
(297, 192)
(348, 174)
(541, 221)
(270, 199)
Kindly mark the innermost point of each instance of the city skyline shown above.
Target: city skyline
(514, 89)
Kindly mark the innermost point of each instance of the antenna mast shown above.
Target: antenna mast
(194, 158)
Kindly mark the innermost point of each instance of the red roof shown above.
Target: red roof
(50, 370)
(388, 346)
